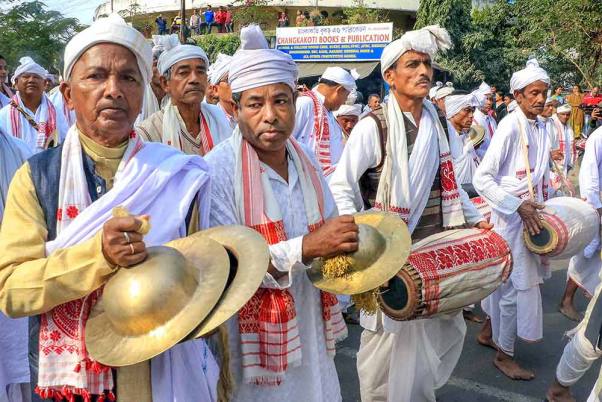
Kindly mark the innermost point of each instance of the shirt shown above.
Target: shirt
(161, 23)
(209, 16)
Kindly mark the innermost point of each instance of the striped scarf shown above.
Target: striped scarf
(268, 322)
(321, 134)
(44, 123)
(173, 123)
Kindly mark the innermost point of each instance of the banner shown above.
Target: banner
(335, 43)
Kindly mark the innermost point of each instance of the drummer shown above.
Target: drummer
(59, 245)
(293, 210)
(515, 195)
(417, 356)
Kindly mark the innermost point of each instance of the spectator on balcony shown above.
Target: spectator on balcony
(283, 20)
(176, 23)
(300, 19)
(209, 18)
(229, 19)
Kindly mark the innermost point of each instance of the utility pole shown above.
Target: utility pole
(112, 6)
(183, 21)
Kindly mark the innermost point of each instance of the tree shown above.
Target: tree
(360, 13)
(253, 11)
(214, 44)
(29, 29)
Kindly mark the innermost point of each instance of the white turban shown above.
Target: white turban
(255, 65)
(160, 41)
(434, 89)
(444, 91)
(28, 66)
(482, 92)
(176, 52)
(349, 110)
(513, 105)
(550, 100)
(566, 108)
(429, 40)
(112, 29)
(220, 68)
(528, 75)
(342, 77)
(455, 103)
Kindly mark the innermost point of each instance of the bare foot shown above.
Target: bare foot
(569, 312)
(485, 337)
(511, 369)
(558, 393)
(469, 315)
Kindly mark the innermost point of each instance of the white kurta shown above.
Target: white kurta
(28, 134)
(501, 180)
(585, 267)
(304, 127)
(464, 155)
(14, 333)
(4, 100)
(316, 379)
(397, 361)
(490, 125)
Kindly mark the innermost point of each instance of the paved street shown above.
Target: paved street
(475, 379)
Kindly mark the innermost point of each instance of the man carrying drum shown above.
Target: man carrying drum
(405, 141)
(513, 180)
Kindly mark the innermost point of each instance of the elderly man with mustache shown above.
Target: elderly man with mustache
(515, 195)
(185, 122)
(30, 115)
(406, 361)
(60, 243)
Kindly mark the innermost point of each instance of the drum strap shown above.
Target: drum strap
(525, 151)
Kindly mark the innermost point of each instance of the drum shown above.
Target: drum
(569, 225)
(482, 207)
(445, 272)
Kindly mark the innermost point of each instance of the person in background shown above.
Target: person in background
(161, 25)
(176, 23)
(220, 19)
(209, 18)
(590, 101)
(6, 93)
(558, 95)
(501, 108)
(195, 21)
(283, 20)
(229, 19)
(347, 116)
(300, 19)
(374, 101)
(575, 99)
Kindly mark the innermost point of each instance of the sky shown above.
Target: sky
(83, 10)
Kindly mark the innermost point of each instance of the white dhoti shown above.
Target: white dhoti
(425, 353)
(513, 313)
(585, 272)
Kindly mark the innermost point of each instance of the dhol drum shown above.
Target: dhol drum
(478, 201)
(445, 272)
(569, 225)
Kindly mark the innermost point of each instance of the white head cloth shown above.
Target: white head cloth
(528, 75)
(220, 68)
(566, 108)
(513, 105)
(444, 91)
(28, 66)
(550, 100)
(112, 29)
(352, 98)
(176, 52)
(455, 103)
(434, 89)
(159, 42)
(482, 92)
(342, 77)
(349, 110)
(255, 65)
(429, 40)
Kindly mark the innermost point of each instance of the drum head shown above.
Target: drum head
(543, 243)
(400, 299)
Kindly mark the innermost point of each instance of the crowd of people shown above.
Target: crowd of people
(201, 22)
(192, 145)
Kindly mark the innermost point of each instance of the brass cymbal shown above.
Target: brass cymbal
(384, 246)
(148, 308)
(249, 258)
